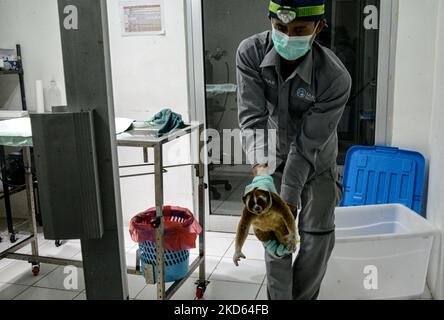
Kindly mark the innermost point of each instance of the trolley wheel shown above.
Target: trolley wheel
(199, 293)
(201, 288)
(13, 238)
(35, 270)
(58, 243)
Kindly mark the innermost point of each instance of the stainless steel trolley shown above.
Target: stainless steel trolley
(140, 138)
(137, 138)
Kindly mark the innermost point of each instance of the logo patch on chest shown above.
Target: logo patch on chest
(304, 94)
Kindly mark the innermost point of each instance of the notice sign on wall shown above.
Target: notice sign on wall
(143, 17)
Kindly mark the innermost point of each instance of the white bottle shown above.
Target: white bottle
(54, 96)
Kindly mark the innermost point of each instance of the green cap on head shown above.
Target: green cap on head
(290, 10)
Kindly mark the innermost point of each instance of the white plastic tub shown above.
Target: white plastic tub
(381, 252)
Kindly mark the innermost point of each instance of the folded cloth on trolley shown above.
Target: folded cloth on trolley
(165, 122)
(18, 132)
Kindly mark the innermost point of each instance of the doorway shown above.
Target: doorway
(226, 23)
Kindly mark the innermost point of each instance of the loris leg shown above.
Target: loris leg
(286, 237)
(264, 236)
(281, 234)
(290, 221)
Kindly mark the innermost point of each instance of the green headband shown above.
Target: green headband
(301, 11)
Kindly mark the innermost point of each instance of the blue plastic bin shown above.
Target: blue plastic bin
(383, 175)
(176, 262)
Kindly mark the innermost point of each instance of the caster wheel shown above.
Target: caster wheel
(58, 243)
(35, 270)
(200, 290)
(199, 293)
(228, 187)
(13, 238)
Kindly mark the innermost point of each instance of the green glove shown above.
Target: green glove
(276, 249)
(264, 182)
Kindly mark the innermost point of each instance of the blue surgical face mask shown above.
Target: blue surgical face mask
(292, 48)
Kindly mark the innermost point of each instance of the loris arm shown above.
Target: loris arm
(241, 236)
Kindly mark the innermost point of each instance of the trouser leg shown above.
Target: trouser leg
(279, 275)
(279, 271)
(311, 264)
(316, 229)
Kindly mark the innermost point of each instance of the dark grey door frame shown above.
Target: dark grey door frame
(87, 66)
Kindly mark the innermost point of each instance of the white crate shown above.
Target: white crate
(381, 252)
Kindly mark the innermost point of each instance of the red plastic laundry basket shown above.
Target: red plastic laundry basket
(181, 229)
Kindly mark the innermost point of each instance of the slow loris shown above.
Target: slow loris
(271, 217)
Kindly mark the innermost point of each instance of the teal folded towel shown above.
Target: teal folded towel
(264, 182)
(276, 249)
(168, 122)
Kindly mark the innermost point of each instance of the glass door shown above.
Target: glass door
(226, 24)
(352, 38)
(353, 34)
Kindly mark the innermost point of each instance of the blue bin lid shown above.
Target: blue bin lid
(382, 175)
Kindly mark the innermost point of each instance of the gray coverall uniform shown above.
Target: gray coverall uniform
(305, 110)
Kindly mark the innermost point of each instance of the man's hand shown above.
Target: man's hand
(260, 170)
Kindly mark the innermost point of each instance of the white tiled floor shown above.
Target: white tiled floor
(216, 248)
(253, 250)
(57, 279)
(226, 290)
(34, 293)
(247, 282)
(9, 291)
(249, 271)
(19, 272)
(210, 264)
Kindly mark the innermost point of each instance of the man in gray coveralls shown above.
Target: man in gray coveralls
(289, 83)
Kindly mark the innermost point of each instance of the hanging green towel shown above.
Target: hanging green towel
(168, 122)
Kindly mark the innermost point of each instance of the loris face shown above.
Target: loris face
(257, 201)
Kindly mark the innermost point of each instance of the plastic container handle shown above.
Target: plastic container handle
(382, 149)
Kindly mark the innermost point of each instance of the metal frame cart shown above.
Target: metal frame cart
(34, 258)
(6, 188)
(137, 138)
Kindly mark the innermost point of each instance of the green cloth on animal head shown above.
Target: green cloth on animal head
(264, 182)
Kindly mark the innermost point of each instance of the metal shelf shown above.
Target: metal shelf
(7, 72)
(12, 192)
(6, 189)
